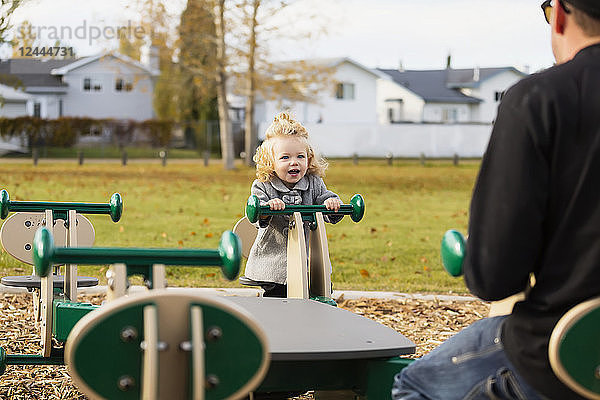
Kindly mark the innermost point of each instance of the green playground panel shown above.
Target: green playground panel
(356, 209)
(579, 351)
(234, 358)
(372, 378)
(100, 369)
(114, 207)
(66, 314)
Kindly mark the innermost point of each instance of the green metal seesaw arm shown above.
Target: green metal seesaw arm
(114, 207)
(356, 209)
(228, 256)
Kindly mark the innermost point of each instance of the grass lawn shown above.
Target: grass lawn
(395, 247)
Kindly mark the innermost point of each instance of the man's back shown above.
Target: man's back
(536, 208)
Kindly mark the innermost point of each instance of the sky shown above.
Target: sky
(414, 34)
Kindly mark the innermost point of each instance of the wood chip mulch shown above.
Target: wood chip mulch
(427, 323)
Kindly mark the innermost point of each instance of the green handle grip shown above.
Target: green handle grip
(114, 207)
(356, 209)
(453, 251)
(228, 255)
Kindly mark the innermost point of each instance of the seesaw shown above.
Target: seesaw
(70, 228)
(153, 337)
(311, 346)
(308, 275)
(574, 348)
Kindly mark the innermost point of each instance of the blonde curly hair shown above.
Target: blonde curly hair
(285, 126)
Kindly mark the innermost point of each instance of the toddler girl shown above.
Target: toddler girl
(288, 172)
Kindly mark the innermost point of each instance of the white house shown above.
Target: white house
(107, 85)
(351, 97)
(443, 96)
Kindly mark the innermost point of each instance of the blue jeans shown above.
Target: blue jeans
(469, 365)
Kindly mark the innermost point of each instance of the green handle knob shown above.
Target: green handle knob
(230, 250)
(43, 249)
(116, 207)
(356, 209)
(4, 202)
(453, 252)
(253, 208)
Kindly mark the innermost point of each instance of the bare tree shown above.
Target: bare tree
(7, 8)
(221, 75)
(295, 81)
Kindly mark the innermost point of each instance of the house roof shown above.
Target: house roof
(46, 73)
(442, 85)
(465, 78)
(431, 85)
(62, 70)
(337, 61)
(33, 72)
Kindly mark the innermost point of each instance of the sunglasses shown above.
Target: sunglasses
(547, 8)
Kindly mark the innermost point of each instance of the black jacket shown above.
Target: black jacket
(536, 209)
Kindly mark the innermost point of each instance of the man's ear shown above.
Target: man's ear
(560, 18)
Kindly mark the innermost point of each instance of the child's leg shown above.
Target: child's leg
(275, 290)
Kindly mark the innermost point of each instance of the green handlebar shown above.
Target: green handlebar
(114, 207)
(228, 255)
(356, 209)
(453, 251)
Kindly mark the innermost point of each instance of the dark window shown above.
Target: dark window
(60, 107)
(87, 84)
(37, 110)
(119, 85)
(344, 91)
(498, 96)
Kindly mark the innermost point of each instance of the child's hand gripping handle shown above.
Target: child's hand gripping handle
(228, 256)
(114, 207)
(453, 252)
(356, 209)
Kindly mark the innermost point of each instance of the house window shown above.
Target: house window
(37, 110)
(91, 85)
(60, 107)
(344, 91)
(449, 115)
(498, 95)
(390, 115)
(122, 85)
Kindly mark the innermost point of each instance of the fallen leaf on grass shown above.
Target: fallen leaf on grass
(121, 229)
(364, 273)
(208, 235)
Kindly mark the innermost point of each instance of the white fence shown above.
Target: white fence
(399, 140)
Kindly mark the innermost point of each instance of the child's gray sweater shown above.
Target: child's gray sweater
(268, 257)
